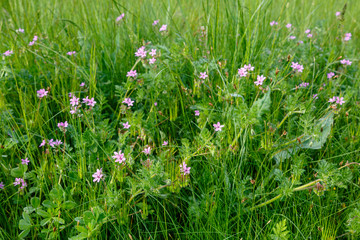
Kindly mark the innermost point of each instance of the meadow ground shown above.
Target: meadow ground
(171, 119)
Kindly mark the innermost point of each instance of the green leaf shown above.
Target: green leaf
(35, 202)
(79, 237)
(81, 229)
(24, 233)
(23, 224)
(43, 213)
(59, 220)
(68, 205)
(16, 172)
(44, 221)
(262, 105)
(48, 204)
(280, 232)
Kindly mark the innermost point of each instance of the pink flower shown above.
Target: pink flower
(153, 52)
(147, 150)
(197, 113)
(242, 72)
(163, 28)
(42, 143)
(91, 102)
(126, 125)
(203, 75)
(31, 43)
(152, 60)
(63, 126)
(2, 185)
(260, 80)
(300, 42)
(337, 14)
(307, 31)
(73, 110)
(297, 67)
(41, 93)
(141, 52)
(8, 53)
(155, 104)
(347, 36)
(132, 74)
(273, 23)
(345, 62)
(184, 169)
(97, 175)
(74, 101)
(288, 25)
(309, 35)
(35, 38)
(315, 96)
(155, 22)
(25, 161)
(330, 75)
(340, 100)
(248, 67)
(71, 53)
(20, 30)
(82, 84)
(218, 127)
(128, 102)
(165, 143)
(292, 37)
(119, 157)
(304, 84)
(19, 181)
(331, 100)
(120, 17)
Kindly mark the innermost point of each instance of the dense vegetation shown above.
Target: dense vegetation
(179, 119)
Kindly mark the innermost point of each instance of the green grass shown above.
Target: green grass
(256, 179)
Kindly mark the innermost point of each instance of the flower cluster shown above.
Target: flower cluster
(41, 93)
(8, 53)
(185, 169)
(71, 53)
(33, 41)
(338, 100)
(244, 70)
(128, 101)
(120, 17)
(273, 23)
(345, 62)
(304, 84)
(347, 37)
(330, 75)
(63, 126)
(119, 157)
(20, 181)
(297, 67)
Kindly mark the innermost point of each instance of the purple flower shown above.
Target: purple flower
(345, 62)
(347, 36)
(184, 169)
(304, 84)
(41, 93)
(153, 52)
(74, 101)
(297, 67)
(292, 37)
(218, 127)
(309, 35)
(288, 25)
(331, 100)
(2, 185)
(42, 143)
(25, 161)
(307, 31)
(165, 143)
(35, 38)
(19, 181)
(155, 22)
(315, 96)
(273, 23)
(63, 126)
(330, 75)
(203, 75)
(300, 42)
(120, 17)
(152, 60)
(126, 125)
(141, 52)
(71, 53)
(97, 175)
(20, 30)
(73, 110)
(337, 14)
(340, 100)
(242, 72)
(197, 113)
(91, 102)
(132, 74)
(163, 28)
(8, 53)
(248, 67)
(260, 80)
(31, 43)
(82, 84)
(147, 150)
(119, 157)
(155, 104)
(128, 102)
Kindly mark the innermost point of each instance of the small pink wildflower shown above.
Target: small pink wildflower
(331, 100)
(153, 52)
(71, 53)
(345, 62)
(347, 37)
(73, 110)
(35, 38)
(2, 185)
(203, 75)
(31, 43)
(309, 35)
(41, 93)
(97, 175)
(307, 31)
(242, 72)
(260, 80)
(128, 102)
(304, 84)
(315, 96)
(184, 169)
(132, 74)
(42, 143)
(165, 143)
(273, 23)
(119, 157)
(297, 67)
(218, 127)
(292, 37)
(8, 53)
(155, 22)
(337, 14)
(340, 100)
(163, 28)
(249, 67)
(25, 161)
(19, 181)
(141, 52)
(155, 104)
(300, 42)
(330, 75)
(63, 126)
(91, 102)
(82, 84)
(20, 30)
(74, 101)
(197, 113)
(152, 60)
(147, 150)
(288, 25)
(126, 125)
(120, 17)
